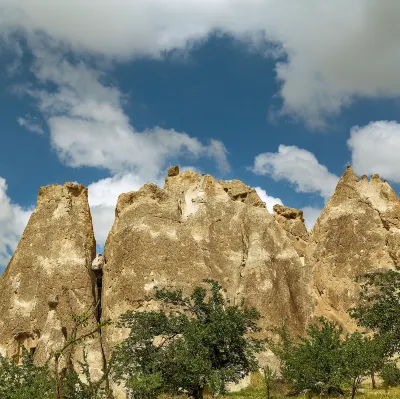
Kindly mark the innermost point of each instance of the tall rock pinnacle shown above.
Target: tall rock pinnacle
(358, 231)
(49, 278)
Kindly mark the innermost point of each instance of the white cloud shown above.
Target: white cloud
(336, 50)
(311, 215)
(375, 149)
(269, 201)
(31, 123)
(299, 167)
(88, 125)
(13, 220)
(103, 197)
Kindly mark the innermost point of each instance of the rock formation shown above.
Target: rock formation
(194, 228)
(292, 221)
(358, 231)
(49, 278)
(197, 228)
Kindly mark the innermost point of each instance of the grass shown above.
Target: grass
(257, 391)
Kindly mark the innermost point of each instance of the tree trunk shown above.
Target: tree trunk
(57, 378)
(353, 390)
(373, 379)
(199, 393)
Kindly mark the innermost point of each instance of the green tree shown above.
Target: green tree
(25, 381)
(313, 363)
(390, 375)
(361, 354)
(379, 307)
(195, 341)
(270, 379)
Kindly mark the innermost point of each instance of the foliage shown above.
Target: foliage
(313, 363)
(361, 356)
(25, 381)
(197, 341)
(74, 388)
(270, 379)
(28, 381)
(390, 375)
(379, 307)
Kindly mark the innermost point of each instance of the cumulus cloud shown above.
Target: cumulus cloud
(13, 219)
(375, 148)
(103, 196)
(269, 201)
(299, 167)
(336, 51)
(88, 125)
(31, 123)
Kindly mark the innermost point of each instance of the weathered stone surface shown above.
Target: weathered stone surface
(49, 277)
(173, 171)
(292, 221)
(238, 191)
(358, 231)
(197, 228)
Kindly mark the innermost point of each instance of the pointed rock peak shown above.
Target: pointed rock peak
(364, 178)
(349, 175)
(376, 179)
(173, 171)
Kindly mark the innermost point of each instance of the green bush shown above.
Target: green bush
(390, 375)
(25, 381)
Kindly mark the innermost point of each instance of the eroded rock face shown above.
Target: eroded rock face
(358, 231)
(197, 228)
(292, 221)
(49, 278)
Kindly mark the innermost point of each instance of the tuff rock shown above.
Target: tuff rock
(193, 228)
(357, 232)
(48, 279)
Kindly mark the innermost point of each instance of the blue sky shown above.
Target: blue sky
(111, 95)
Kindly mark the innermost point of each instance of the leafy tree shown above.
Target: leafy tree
(196, 341)
(390, 375)
(313, 363)
(270, 379)
(379, 307)
(361, 354)
(25, 381)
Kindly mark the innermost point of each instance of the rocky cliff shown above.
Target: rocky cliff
(49, 279)
(193, 228)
